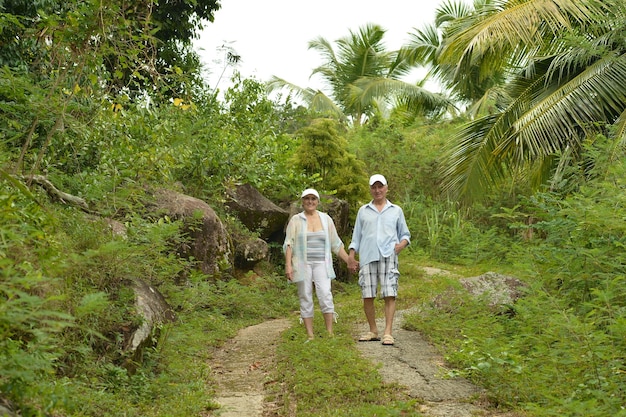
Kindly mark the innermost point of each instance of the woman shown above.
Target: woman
(310, 240)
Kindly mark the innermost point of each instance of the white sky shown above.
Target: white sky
(272, 36)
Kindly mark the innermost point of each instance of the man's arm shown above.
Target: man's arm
(404, 235)
(400, 246)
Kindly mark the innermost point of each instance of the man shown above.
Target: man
(380, 234)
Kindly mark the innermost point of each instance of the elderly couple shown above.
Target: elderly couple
(380, 234)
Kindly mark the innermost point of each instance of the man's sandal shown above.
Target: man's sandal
(369, 337)
(388, 340)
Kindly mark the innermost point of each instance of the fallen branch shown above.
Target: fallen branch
(57, 194)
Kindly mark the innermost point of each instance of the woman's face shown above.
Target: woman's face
(310, 202)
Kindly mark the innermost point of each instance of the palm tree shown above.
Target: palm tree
(473, 87)
(563, 66)
(361, 76)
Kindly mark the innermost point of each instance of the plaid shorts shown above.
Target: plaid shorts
(383, 273)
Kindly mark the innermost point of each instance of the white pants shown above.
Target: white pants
(315, 274)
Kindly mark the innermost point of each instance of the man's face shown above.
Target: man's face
(378, 191)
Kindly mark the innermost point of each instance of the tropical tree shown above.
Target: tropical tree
(61, 60)
(138, 44)
(563, 63)
(322, 155)
(474, 86)
(361, 76)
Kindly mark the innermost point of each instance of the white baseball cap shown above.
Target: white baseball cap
(310, 191)
(378, 178)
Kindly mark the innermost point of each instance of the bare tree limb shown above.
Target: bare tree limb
(57, 194)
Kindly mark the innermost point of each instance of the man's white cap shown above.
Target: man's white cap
(378, 178)
(310, 191)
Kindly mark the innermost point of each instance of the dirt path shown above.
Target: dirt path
(243, 365)
(413, 363)
(241, 369)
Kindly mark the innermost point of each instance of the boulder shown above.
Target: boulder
(154, 311)
(4, 410)
(339, 211)
(249, 251)
(500, 292)
(209, 243)
(117, 229)
(256, 212)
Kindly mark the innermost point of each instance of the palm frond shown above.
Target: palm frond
(620, 128)
(495, 99)
(470, 167)
(322, 104)
(277, 84)
(423, 46)
(597, 94)
(367, 89)
(511, 27)
(539, 124)
(325, 48)
(451, 10)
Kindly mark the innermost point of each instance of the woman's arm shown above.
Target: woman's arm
(288, 265)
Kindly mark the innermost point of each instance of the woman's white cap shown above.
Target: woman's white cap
(310, 191)
(378, 178)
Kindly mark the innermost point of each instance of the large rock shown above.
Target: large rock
(209, 243)
(4, 410)
(498, 291)
(249, 251)
(154, 311)
(256, 212)
(339, 211)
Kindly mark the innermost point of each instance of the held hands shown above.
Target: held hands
(353, 265)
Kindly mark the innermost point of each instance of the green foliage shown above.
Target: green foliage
(323, 153)
(540, 75)
(211, 145)
(583, 234)
(138, 46)
(409, 157)
(30, 344)
(560, 350)
(30, 325)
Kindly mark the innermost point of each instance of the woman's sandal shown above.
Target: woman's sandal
(369, 337)
(388, 340)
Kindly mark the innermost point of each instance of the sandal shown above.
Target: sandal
(369, 337)
(388, 340)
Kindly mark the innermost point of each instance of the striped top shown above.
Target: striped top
(315, 245)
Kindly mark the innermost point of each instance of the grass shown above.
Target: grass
(328, 376)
